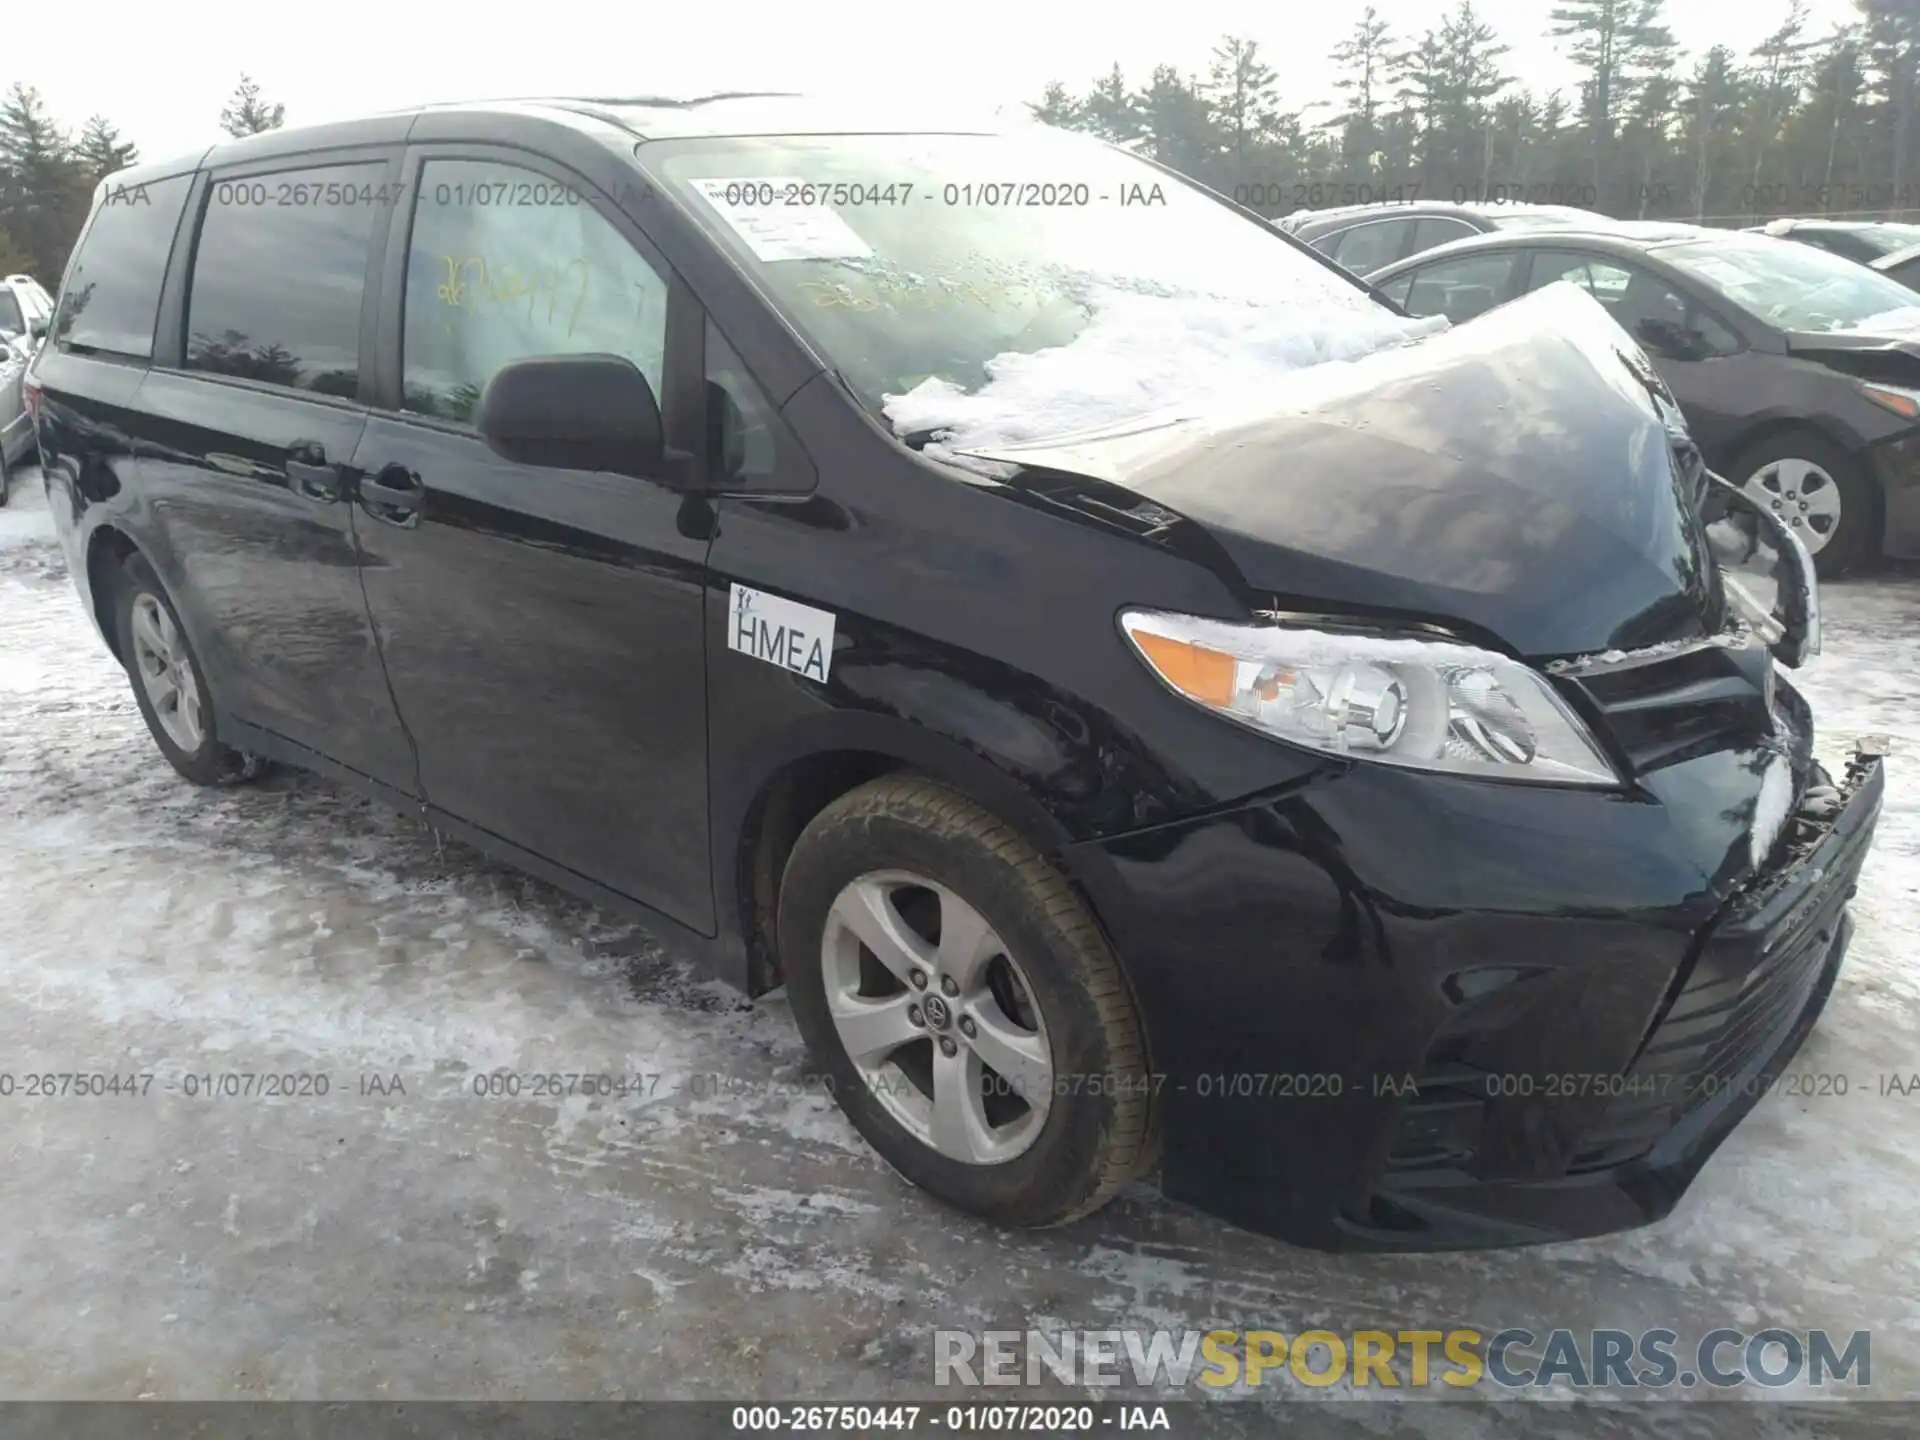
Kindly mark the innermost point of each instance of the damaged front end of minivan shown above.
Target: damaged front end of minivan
(1571, 885)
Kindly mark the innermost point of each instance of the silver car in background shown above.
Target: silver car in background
(25, 312)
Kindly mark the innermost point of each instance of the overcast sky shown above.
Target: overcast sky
(162, 72)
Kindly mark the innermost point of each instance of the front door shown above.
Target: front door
(1701, 360)
(542, 628)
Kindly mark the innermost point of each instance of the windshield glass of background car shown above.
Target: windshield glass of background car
(1796, 287)
(914, 257)
(1889, 238)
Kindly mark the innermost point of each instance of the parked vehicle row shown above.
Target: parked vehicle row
(1798, 370)
(1366, 238)
(873, 593)
(1863, 240)
(25, 309)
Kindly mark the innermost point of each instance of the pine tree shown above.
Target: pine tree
(247, 114)
(13, 256)
(1057, 107)
(1470, 54)
(1244, 94)
(1364, 58)
(1618, 43)
(1174, 118)
(1711, 101)
(1108, 109)
(1893, 59)
(100, 150)
(1779, 67)
(43, 195)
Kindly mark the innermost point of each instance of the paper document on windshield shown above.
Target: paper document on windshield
(769, 214)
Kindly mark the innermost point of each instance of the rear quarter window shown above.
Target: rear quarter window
(112, 295)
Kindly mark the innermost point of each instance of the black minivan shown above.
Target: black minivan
(1150, 702)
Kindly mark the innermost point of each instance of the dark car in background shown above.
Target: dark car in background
(1863, 240)
(1366, 238)
(1901, 265)
(1102, 801)
(1798, 371)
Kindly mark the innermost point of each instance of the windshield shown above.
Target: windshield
(943, 265)
(1888, 238)
(1796, 287)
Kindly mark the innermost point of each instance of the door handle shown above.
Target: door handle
(315, 481)
(393, 495)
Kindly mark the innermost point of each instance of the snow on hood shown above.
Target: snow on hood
(1143, 355)
(1901, 320)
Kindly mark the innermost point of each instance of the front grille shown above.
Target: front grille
(1665, 710)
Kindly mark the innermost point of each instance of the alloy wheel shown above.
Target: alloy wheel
(1803, 495)
(166, 674)
(937, 1017)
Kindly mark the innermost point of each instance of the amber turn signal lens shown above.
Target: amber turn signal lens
(1901, 402)
(1195, 671)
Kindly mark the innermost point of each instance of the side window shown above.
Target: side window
(1329, 244)
(1714, 338)
(1641, 303)
(1432, 230)
(1550, 266)
(1397, 290)
(748, 445)
(505, 264)
(112, 296)
(1907, 273)
(278, 275)
(13, 320)
(1464, 287)
(1367, 247)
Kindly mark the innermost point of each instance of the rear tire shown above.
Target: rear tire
(168, 683)
(1803, 476)
(913, 863)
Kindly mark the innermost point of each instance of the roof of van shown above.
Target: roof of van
(639, 117)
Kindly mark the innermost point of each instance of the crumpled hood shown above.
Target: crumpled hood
(1512, 475)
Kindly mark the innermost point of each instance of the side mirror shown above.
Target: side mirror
(578, 412)
(37, 328)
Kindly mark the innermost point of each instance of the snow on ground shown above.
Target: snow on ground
(723, 1233)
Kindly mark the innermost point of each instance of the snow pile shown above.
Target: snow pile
(1141, 354)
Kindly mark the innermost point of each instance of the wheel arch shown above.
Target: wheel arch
(820, 765)
(108, 548)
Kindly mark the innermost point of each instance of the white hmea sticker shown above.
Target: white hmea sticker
(781, 632)
(757, 212)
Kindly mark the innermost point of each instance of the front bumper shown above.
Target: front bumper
(1397, 1011)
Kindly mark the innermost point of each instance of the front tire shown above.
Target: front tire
(1819, 490)
(961, 1000)
(168, 683)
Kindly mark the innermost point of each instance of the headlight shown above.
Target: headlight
(1446, 707)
